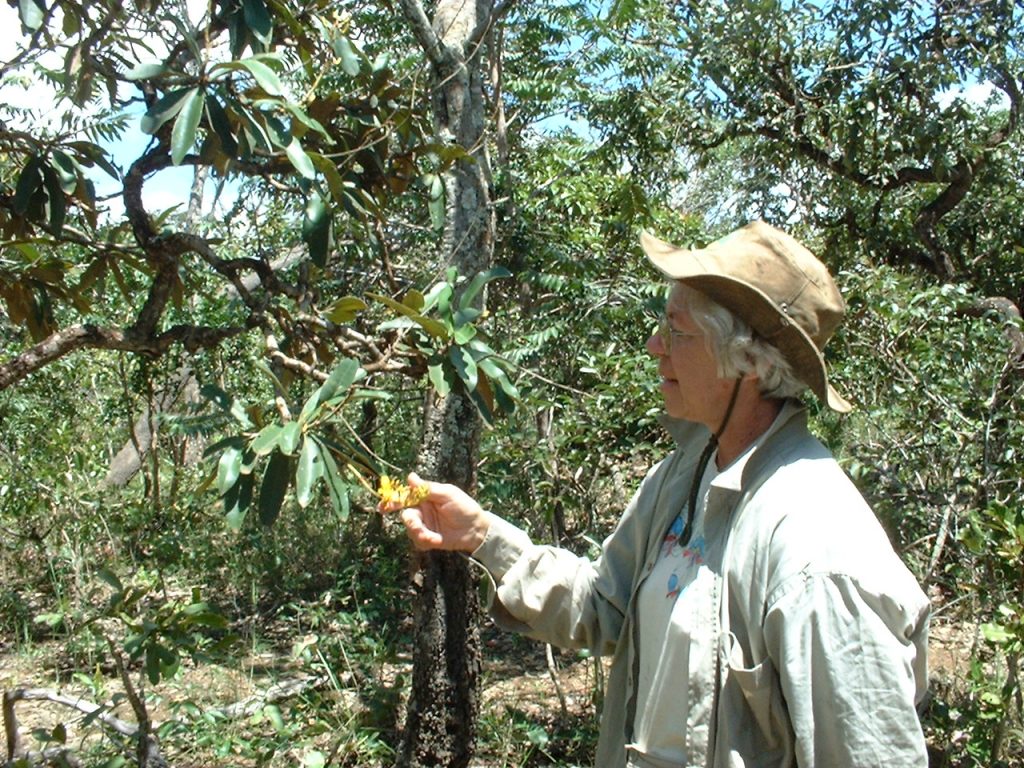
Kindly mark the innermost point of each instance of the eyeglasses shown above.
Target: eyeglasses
(669, 334)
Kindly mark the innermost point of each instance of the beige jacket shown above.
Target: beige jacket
(814, 652)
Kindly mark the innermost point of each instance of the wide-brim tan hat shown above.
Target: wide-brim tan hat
(772, 282)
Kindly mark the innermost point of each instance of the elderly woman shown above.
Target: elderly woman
(754, 608)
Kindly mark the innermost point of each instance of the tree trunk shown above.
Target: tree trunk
(444, 701)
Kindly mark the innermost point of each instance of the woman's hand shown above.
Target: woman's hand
(448, 518)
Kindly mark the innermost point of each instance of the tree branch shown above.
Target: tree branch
(280, 691)
(154, 160)
(88, 708)
(147, 746)
(1004, 310)
(424, 32)
(63, 342)
(928, 217)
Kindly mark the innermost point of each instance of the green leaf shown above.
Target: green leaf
(145, 71)
(316, 229)
(67, 169)
(238, 31)
(439, 295)
(345, 309)
(152, 664)
(254, 131)
(238, 413)
(400, 308)
(164, 109)
(430, 325)
(265, 77)
(435, 328)
(237, 501)
(351, 57)
(538, 736)
(413, 299)
(266, 440)
(465, 367)
(273, 488)
(183, 137)
(32, 13)
(186, 33)
(310, 470)
(228, 404)
(436, 374)
(54, 198)
(309, 408)
(296, 111)
(404, 323)
(464, 333)
(479, 281)
(466, 316)
(326, 166)
(996, 634)
(29, 251)
(289, 439)
(337, 490)
(298, 158)
(484, 405)
(49, 619)
(435, 203)
(28, 182)
(273, 713)
(222, 127)
(277, 129)
(228, 468)
(110, 578)
(341, 378)
(94, 155)
(433, 184)
(257, 18)
(352, 200)
(506, 393)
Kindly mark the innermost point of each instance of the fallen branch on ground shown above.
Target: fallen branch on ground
(100, 713)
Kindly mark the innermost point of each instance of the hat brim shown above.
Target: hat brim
(755, 307)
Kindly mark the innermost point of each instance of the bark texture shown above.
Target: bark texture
(444, 700)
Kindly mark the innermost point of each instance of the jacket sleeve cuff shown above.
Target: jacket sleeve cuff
(501, 547)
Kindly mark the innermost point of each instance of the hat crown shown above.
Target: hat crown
(790, 275)
(767, 278)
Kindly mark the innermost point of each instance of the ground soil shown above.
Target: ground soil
(519, 681)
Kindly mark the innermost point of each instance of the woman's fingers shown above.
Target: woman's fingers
(421, 536)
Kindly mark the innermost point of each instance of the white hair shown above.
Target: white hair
(737, 349)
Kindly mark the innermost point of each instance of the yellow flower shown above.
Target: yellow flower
(395, 493)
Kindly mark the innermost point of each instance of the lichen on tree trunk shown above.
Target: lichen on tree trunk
(443, 704)
(444, 701)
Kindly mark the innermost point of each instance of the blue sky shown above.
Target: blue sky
(163, 190)
(172, 186)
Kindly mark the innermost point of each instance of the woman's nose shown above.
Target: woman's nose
(656, 345)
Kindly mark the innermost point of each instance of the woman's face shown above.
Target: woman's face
(690, 383)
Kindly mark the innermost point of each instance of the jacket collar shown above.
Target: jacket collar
(684, 433)
(792, 419)
(789, 425)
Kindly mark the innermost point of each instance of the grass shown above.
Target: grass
(310, 598)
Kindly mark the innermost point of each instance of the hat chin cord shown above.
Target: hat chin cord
(702, 465)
